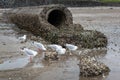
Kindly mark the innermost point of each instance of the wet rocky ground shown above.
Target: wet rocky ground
(15, 66)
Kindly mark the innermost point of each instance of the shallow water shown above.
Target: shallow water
(18, 63)
(108, 22)
(38, 65)
(14, 63)
(4, 25)
(112, 57)
(65, 69)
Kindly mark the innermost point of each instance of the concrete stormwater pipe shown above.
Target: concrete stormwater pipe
(54, 23)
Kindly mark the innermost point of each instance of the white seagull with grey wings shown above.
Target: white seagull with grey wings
(22, 38)
(71, 47)
(57, 48)
(30, 53)
(39, 46)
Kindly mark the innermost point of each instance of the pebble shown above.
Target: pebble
(9, 78)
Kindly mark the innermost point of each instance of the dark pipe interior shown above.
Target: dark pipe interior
(56, 17)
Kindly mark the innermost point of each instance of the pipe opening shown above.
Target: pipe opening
(56, 18)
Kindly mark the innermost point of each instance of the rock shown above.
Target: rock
(83, 38)
(9, 78)
(51, 56)
(90, 67)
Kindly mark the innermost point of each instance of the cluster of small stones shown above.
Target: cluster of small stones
(50, 56)
(83, 38)
(90, 67)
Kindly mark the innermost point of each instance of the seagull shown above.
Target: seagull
(57, 48)
(29, 52)
(61, 51)
(40, 46)
(71, 47)
(103, 76)
(22, 38)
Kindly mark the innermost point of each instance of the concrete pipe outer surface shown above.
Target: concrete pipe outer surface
(56, 15)
(41, 20)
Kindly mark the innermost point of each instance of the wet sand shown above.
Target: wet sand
(104, 19)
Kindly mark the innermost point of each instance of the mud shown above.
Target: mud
(106, 20)
(66, 68)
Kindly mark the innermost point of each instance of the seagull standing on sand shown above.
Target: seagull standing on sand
(40, 46)
(29, 52)
(57, 48)
(22, 38)
(71, 47)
